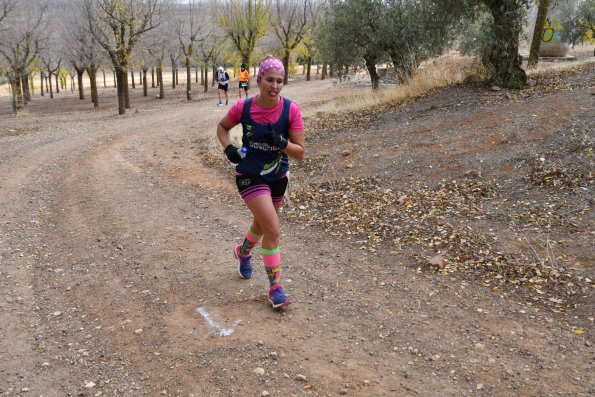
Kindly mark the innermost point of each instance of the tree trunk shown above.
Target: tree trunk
(173, 74)
(196, 74)
(92, 72)
(160, 79)
(308, 68)
(538, 33)
(371, 66)
(50, 86)
(57, 83)
(132, 78)
(177, 81)
(120, 78)
(42, 78)
(323, 76)
(145, 88)
(32, 84)
(286, 66)
(153, 77)
(504, 56)
(103, 71)
(115, 78)
(25, 88)
(188, 80)
(126, 90)
(79, 77)
(206, 78)
(16, 94)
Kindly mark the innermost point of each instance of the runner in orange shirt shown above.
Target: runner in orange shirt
(244, 77)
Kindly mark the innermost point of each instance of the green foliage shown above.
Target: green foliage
(418, 30)
(473, 35)
(570, 30)
(293, 67)
(342, 35)
(491, 32)
(245, 23)
(354, 33)
(585, 21)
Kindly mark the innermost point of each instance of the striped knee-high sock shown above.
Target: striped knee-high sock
(250, 241)
(272, 262)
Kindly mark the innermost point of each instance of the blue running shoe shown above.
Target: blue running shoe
(277, 297)
(245, 265)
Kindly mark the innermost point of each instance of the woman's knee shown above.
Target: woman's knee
(272, 230)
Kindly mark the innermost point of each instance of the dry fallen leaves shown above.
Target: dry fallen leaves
(437, 219)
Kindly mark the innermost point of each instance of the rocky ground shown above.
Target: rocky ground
(443, 247)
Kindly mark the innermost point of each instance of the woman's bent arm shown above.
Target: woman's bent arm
(295, 147)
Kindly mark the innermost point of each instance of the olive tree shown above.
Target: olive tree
(495, 41)
(406, 32)
(416, 30)
(348, 35)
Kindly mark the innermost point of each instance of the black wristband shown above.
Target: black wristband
(231, 152)
(282, 142)
(230, 148)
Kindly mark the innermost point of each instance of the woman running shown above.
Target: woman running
(273, 129)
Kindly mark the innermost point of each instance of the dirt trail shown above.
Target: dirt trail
(114, 235)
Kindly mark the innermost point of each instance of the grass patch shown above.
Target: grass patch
(431, 75)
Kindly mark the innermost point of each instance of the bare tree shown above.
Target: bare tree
(174, 54)
(290, 22)
(22, 25)
(244, 22)
(155, 45)
(83, 51)
(209, 51)
(144, 61)
(191, 28)
(6, 7)
(117, 25)
(50, 63)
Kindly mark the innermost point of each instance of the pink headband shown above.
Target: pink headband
(269, 64)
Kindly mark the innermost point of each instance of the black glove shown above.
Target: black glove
(275, 139)
(232, 154)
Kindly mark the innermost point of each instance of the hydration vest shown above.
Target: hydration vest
(262, 158)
